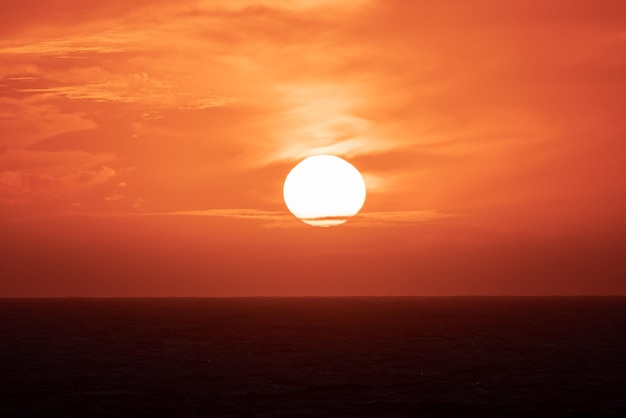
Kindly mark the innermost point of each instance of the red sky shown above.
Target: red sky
(143, 148)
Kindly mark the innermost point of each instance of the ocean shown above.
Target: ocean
(313, 357)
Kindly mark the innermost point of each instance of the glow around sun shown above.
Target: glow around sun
(324, 190)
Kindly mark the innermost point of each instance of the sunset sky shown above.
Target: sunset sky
(144, 145)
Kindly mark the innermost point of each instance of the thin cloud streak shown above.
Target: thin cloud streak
(286, 220)
(275, 219)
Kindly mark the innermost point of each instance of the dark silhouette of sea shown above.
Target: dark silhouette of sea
(335, 357)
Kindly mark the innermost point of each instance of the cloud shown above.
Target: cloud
(133, 88)
(267, 218)
(399, 218)
(106, 66)
(283, 219)
(114, 197)
(19, 187)
(103, 42)
(26, 175)
(24, 122)
(51, 162)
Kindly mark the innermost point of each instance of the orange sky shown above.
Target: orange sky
(143, 149)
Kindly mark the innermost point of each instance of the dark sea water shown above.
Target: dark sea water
(336, 357)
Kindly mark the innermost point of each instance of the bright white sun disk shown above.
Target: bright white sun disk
(324, 190)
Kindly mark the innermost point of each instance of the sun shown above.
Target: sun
(324, 190)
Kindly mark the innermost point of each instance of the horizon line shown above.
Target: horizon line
(322, 296)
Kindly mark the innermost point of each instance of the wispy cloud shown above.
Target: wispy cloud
(104, 42)
(23, 186)
(283, 219)
(400, 218)
(32, 174)
(110, 65)
(24, 122)
(276, 219)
